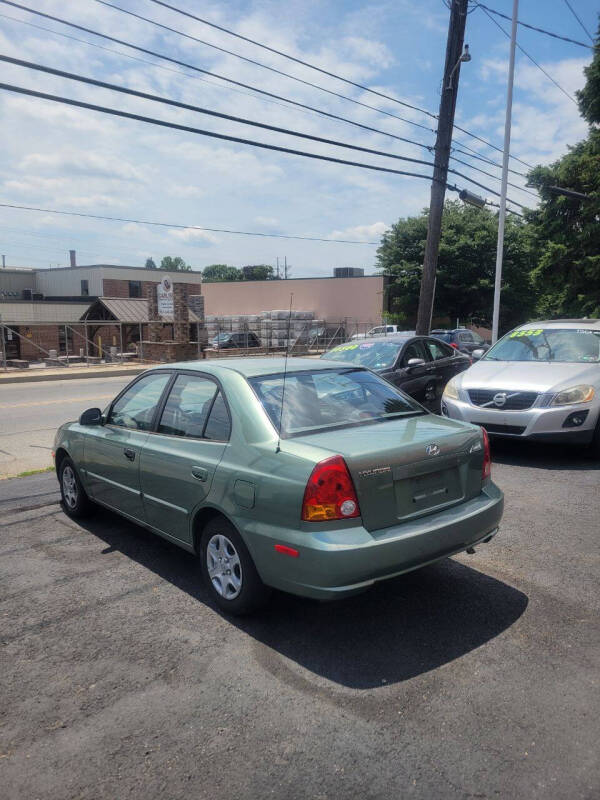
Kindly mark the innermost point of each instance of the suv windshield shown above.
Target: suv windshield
(548, 344)
(321, 399)
(375, 355)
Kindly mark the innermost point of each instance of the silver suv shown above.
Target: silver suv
(540, 381)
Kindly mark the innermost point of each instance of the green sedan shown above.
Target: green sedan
(314, 477)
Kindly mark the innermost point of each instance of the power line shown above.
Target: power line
(255, 89)
(272, 69)
(283, 54)
(429, 148)
(473, 154)
(539, 30)
(572, 10)
(241, 120)
(213, 74)
(188, 107)
(293, 77)
(183, 227)
(224, 137)
(525, 53)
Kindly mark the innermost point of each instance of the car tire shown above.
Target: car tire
(228, 570)
(75, 502)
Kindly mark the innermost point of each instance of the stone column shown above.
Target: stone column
(154, 322)
(181, 316)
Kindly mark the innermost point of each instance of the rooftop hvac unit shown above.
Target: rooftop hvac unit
(27, 294)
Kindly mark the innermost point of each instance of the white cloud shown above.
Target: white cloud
(194, 236)
(363, 233)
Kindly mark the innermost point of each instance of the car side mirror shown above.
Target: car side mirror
(476, 354)
(415, 362)
(92, 416)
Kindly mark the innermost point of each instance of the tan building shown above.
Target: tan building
(333, 299)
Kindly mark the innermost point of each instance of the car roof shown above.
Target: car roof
(253, 366)
(560, 323)
(397, 338)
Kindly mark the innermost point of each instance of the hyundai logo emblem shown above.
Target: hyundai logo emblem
(432, 450)
(499, 399)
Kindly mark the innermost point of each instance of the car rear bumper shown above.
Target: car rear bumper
(544, 424)
(338, 563)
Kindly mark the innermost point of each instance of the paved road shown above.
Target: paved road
(30, 413)
(474, 678)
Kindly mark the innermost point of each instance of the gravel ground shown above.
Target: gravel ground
(474, 678)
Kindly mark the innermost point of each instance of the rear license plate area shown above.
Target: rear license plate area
(423, 493)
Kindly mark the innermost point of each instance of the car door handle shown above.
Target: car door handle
(130, 454)
(200, 473)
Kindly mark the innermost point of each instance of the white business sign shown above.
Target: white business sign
(164, 293)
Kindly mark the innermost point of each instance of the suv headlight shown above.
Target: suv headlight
(576, 394)
(451, 389)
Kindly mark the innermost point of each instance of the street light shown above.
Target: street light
(466, 56)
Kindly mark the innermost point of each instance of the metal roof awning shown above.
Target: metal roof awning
(119, 309)
(122, 309)
(40, 313)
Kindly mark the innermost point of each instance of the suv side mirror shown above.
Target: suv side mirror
(415, 362)
(476, 354)
(93, 416)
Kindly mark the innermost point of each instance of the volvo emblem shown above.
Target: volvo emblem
(432, 450)
(499, 399)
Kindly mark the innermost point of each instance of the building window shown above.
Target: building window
(85, 289)
(65, 340)
(135, 288)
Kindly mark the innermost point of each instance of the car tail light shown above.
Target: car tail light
(454, 345)
(486, 470)
(330, 493)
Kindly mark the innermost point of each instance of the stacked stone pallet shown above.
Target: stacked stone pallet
(271, 327)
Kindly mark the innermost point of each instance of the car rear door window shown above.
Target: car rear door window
(188, 406)
(438, 350)
(218, 426)
(136, 407)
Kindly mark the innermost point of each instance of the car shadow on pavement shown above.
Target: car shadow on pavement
(397, 630)
(542, 455)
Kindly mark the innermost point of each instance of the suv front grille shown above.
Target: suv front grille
(514, 401)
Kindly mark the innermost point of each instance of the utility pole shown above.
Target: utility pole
(278, 267)
(503, 186)
(285, 268)
(454, 57)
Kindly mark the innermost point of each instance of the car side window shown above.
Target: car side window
(375, 331)
(136, 406)
(466, 337)
(438, 350)
(413, 350)
(218, 425)
(188, 406)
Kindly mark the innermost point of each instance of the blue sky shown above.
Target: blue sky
(59, 157)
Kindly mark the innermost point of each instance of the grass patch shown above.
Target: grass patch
(28, 472)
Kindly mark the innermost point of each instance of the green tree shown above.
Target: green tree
(567, 233)
(258, 272)
(150, 263)
(220, 272)
(466, 264)
(176, 264)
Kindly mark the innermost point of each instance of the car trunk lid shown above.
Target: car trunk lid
(407, 467)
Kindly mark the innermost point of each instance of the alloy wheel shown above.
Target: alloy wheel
(69, 487)
(224, 566)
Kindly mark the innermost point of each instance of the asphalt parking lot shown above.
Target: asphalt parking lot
(477, 677)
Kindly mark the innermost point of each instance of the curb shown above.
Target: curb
(69, 376)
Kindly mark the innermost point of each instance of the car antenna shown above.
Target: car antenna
(287, 350)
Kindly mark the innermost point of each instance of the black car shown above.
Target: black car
(235, 339)
(419, 365)
(461, 339)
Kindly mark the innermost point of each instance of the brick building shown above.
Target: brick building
(42, 310)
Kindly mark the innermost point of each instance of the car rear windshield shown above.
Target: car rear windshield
(316, 400)
(443, 335)
(375, 355)
(574, 345)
